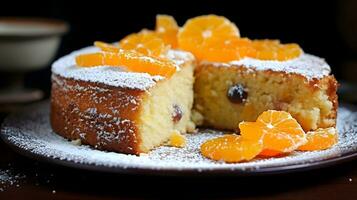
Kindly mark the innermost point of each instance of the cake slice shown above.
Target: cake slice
(228, 93)
(239, 78)
(115, 110)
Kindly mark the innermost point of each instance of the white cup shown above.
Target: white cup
(28, 44)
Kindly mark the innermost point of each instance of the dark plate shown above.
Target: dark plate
(29, 133)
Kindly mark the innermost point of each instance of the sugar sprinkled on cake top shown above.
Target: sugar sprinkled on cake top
(306, 65)
(114, 76)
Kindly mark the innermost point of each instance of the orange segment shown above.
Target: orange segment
(133, 61)
(145, 42)
(277, 130)
(252, 130)
(177, 140)
(225, 50)
(215, 38)
(231, 148)
(320, 139)
(274, 50)
(106, 47)
(98, 59)
(270, 153)
(167, 29)
(206, 32)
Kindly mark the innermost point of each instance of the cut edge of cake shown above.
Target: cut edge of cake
(303, 87)
(121, 111)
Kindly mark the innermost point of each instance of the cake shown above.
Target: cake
(228, 93)
(121, 111)
(125, 107)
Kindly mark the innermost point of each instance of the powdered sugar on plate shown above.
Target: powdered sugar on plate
(114, 76)
(30, 131)
(9, 178)
(306, 65)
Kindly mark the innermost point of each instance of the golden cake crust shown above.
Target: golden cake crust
(111, 109)
(77, 109)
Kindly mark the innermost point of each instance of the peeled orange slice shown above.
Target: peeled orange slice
(274, 50)
(106, 47)
(145, 42)
(320, 139)
(278, 131)
(133, 61)
(167, 29)
(231, 148)
(204, 32)
(225, 50)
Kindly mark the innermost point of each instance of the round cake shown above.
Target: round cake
(145, 92)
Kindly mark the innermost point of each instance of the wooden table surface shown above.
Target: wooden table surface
(23, 178)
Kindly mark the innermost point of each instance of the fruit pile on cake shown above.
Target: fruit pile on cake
(154, 85)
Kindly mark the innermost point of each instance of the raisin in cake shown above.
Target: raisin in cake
(121, 111)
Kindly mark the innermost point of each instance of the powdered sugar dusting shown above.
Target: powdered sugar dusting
(307, 65)
(30, 130)
(8, 178)
(114, 76)
(179, 57)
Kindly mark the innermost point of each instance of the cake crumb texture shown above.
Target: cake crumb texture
(312, 102)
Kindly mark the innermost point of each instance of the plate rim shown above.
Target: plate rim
(282, 169)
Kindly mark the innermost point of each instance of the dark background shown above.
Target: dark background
(324, 28)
